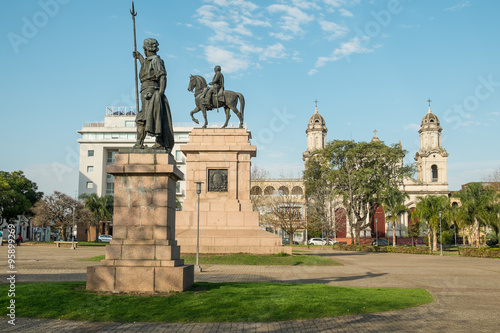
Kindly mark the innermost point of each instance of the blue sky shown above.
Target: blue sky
(370, 64)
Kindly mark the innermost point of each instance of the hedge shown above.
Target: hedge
(483, 252)
(395, 249)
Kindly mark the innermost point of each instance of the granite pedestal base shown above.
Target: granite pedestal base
(220, 158)
(143, 255)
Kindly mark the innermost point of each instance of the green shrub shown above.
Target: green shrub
(370, 248)
(482, 252)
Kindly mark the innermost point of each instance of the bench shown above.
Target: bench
(58, 243)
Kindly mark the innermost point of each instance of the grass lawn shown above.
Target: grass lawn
(79, 243)
(251, 259)
(208, 302)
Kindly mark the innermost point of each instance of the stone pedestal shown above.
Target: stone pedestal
(220, 158)
(143, 255)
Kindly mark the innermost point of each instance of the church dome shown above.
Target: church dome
(430, 118)
(316, 119)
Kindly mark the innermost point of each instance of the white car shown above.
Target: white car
(317, 241)
(105, 238)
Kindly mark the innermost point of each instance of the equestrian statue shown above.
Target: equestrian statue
(215, 97)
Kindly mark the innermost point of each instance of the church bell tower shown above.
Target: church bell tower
(316, 134)
(432, 157)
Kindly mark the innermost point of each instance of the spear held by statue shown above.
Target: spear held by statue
(134, 14)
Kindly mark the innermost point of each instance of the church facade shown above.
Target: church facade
(431, 178)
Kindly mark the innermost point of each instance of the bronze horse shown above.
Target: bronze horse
(198, 84)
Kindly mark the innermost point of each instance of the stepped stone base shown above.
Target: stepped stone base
(231, 241)
(139, 276)
(227, 221)
(143, 255)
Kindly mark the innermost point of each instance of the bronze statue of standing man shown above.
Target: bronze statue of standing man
(154, 118)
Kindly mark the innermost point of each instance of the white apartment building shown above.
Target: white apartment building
(101, 141)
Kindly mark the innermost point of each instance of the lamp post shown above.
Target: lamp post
(376, 231)
(440, 232)
(197, 267)
(73, 231)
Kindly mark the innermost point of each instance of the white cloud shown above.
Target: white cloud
(340, 3)
(333, 29)
(274, 51)
(345, 12)
(312, 71)
(152, 34)
(303, 4)
(292, 19)
(459, 6)
(242, 4)
(346, 49)
(281, 36)
(231, 61)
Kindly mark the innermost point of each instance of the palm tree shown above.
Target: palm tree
(479, 207)
(101, 208)
(428, 209)
(393, 205)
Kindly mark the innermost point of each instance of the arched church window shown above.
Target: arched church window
(434, 173)
(283, 190)
(297, 190)
(269, 191)
(256, 190)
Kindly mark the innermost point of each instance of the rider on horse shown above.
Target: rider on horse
(217, 88)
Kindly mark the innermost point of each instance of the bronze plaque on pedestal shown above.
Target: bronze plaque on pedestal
(217, 180)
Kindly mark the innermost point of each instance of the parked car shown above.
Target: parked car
(286, 241)
(105, 238)
(317, 241)
(419, 242)
(381, 242)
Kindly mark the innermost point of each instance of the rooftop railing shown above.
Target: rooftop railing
(120, 111)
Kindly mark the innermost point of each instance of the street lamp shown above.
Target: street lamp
(376, 231)
(197, 267)
(73, 231)
(440, 232)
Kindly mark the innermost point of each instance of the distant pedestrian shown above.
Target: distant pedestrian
(1, 238)
(19, 239)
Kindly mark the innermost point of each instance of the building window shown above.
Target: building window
(90, 168)
(269, 191)
(90, 185)
(256, 190)
(111, 156)
(434, 173)
(178, 188)
(110, 188)
(179, 156)
(90, 153)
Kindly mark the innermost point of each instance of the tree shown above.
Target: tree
(493, 179)
(100, 207)
(288, 211)
(479, 207)
(322, 201)
(393, 205)
(428, 209)
(57, 211)
(18, 194)
(256, 197)
(360, 173)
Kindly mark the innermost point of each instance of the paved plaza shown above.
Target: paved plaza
(466, 291)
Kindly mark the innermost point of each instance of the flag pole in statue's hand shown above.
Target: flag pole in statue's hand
(134, 14)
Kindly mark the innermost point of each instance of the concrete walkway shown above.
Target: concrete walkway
(466, 290)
